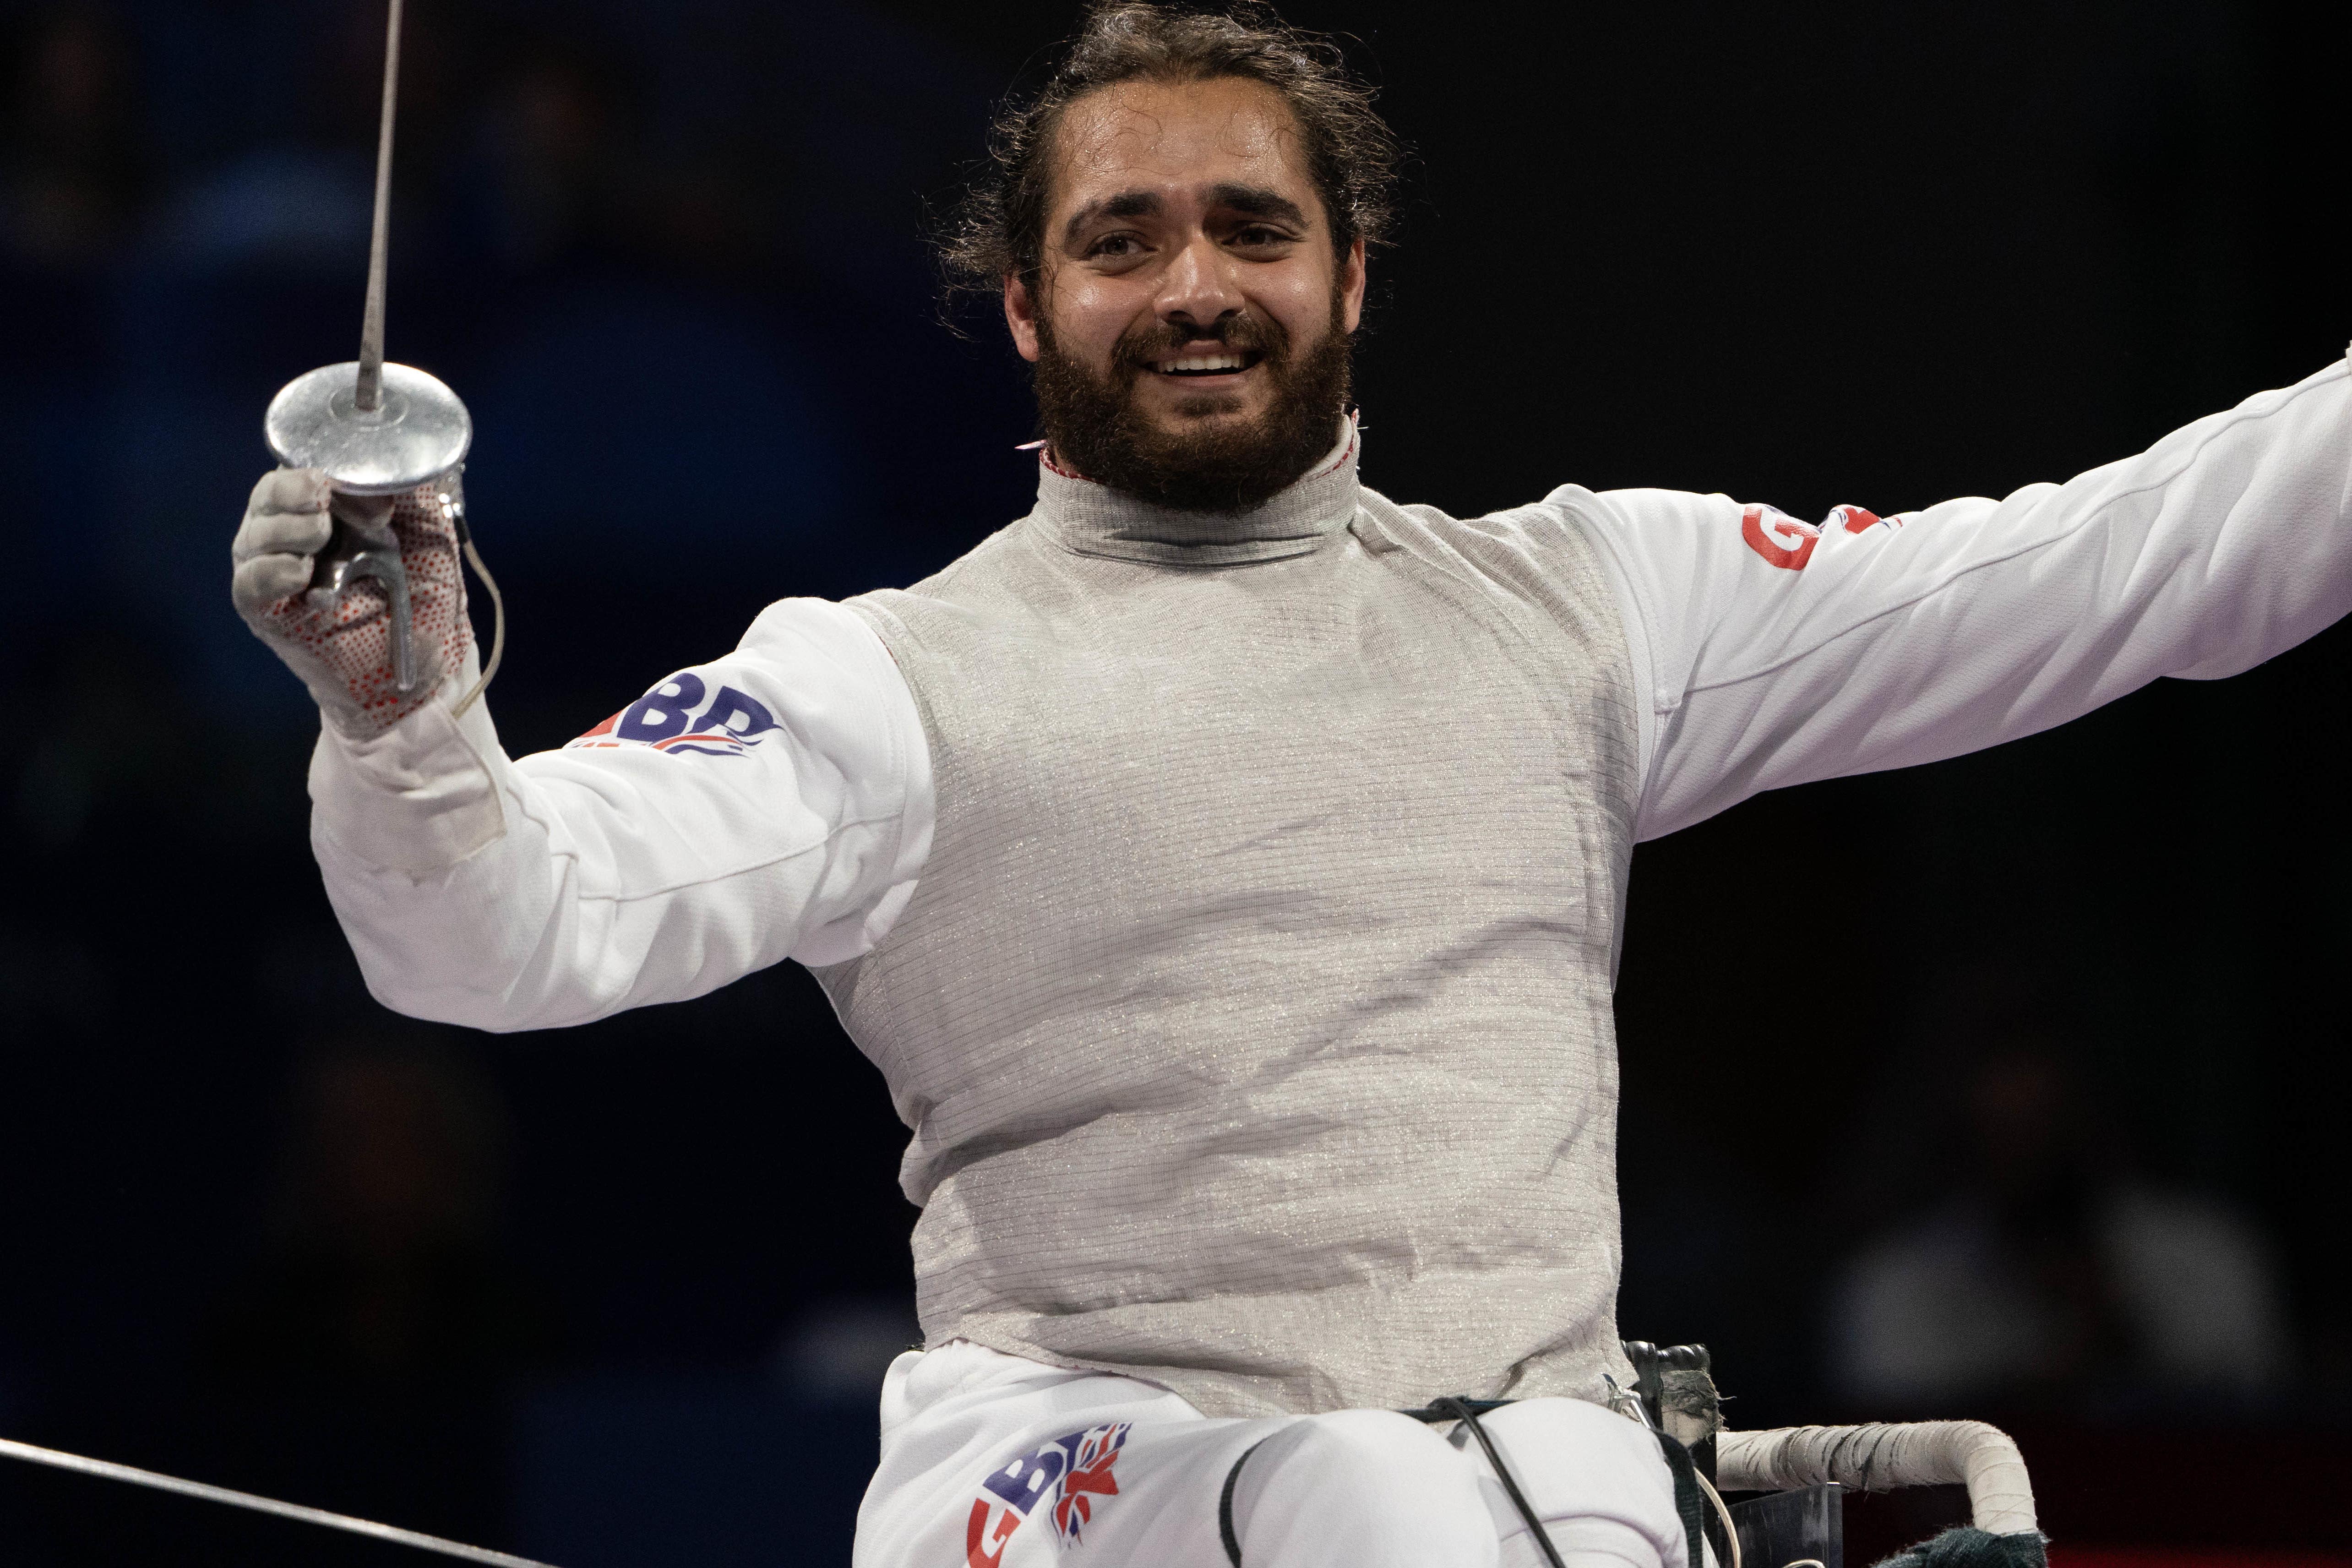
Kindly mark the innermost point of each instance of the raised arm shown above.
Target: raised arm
(1772, 651)
(772, 804)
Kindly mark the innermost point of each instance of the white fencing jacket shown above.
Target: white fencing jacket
(1075, 1108)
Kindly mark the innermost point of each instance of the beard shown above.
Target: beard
(1093, 425)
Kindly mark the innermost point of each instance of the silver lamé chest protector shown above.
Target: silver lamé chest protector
(1252, 1014)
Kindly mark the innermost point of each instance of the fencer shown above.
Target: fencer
(1225, 864)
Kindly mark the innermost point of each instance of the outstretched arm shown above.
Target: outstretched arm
(1772, 651)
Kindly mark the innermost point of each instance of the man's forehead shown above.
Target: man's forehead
(1179, 140)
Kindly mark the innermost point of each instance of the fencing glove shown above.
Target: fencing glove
(341, 645)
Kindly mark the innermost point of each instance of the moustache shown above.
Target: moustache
(1143, 346)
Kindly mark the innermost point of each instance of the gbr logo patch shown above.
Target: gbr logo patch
(683, 715)
(1063, 1482)
(1785, 542)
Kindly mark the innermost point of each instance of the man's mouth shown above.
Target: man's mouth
(1220, 364)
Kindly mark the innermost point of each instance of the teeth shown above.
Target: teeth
(1203, 361)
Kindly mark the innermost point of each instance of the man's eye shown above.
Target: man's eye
(1113, 245)
(1258, 236)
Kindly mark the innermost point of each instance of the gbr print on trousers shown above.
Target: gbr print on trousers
(1066, 1480)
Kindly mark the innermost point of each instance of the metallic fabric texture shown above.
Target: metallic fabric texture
(1252, 1014)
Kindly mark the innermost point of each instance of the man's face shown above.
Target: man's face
(1190, 317)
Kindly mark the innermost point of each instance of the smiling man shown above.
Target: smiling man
(1225, 865)
(1199, 375)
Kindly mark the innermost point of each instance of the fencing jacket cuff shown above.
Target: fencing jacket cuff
(421, 796)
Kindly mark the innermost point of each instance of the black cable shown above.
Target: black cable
(1460, 1410)
(1225, 1531)
(1430, 1416)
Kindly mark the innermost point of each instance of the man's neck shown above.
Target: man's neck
(1095, 520)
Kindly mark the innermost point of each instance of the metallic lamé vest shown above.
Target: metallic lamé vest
(1251, 1014)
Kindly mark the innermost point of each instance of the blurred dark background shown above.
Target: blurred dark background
(2008, 1087)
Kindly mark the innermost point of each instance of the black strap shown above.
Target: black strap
(1226, 1504)
(1688, 1501)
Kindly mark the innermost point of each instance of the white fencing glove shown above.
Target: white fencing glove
(341, 645)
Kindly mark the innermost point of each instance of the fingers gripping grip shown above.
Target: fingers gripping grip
(337, 574)
(380, 628)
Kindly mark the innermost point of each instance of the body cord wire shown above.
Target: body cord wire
(498, 614)
(1225, 1531)
(1459, 1409)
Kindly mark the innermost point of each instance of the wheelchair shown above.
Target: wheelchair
(1802, 1472)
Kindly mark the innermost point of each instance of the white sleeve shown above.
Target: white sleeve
(1771, 651)
(772, 804)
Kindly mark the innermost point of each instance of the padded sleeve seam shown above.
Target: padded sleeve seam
(1641, 651)
(733, 873)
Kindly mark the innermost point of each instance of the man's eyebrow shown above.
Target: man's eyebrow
(1259, 202)
(1126, 203)
(1255, 201)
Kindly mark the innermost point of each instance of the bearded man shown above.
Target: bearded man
(1225, 864)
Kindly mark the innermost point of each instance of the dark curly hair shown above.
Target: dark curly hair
(1352, 157)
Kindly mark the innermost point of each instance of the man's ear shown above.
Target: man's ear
(1351, 286)
(1021, 315)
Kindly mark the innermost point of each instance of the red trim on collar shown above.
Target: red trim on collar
(1341, 461)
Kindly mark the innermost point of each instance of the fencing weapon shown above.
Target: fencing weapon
(105, 1471)
(380, 429)
(376, 429)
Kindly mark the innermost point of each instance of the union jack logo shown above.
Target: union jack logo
(1065, 1478)
(1088, 1477)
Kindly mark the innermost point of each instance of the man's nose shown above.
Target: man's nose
(1198, 289)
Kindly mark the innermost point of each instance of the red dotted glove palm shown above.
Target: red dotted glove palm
(341, 644)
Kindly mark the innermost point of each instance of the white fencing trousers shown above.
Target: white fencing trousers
(992, 1461)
